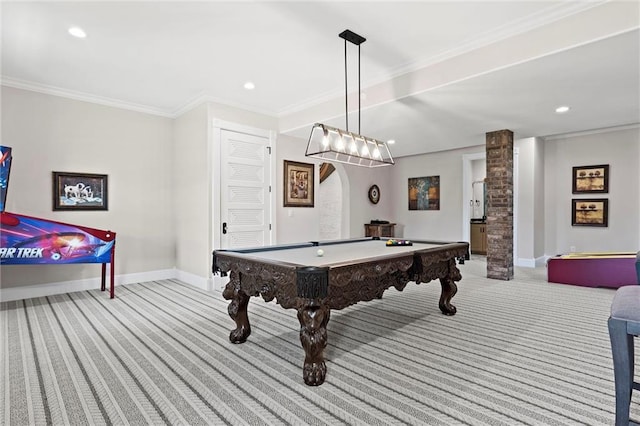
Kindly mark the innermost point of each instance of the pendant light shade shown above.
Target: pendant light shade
(333, 144)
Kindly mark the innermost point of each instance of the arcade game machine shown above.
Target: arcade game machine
(26, 240)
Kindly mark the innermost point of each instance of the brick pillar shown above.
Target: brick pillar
(500, 204)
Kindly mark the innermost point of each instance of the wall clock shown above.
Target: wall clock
(374, 194)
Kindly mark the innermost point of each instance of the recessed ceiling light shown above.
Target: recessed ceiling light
(77, 32)
(249, 85)
(562, 109)
(391, 141)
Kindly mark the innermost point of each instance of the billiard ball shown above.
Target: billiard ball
(320, 252)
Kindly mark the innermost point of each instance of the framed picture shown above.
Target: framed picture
(298, 184)
(424, 193)
(590, 212)
(79, 191)
(591, 179)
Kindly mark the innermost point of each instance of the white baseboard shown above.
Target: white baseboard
(531, 263)
(49, 289)
(206, 284)
(140, 277)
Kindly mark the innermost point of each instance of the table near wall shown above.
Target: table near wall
(379, 230)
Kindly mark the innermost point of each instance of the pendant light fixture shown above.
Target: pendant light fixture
(333, 144)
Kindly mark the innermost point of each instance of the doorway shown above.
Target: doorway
(241, 181)
(467, 195)
(333, 202)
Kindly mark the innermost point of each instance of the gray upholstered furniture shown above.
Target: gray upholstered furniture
(624, 325)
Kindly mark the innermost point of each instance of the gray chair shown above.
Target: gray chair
(624, 325)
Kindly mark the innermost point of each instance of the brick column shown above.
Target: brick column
(500, 204)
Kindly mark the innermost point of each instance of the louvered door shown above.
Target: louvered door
(244, 200)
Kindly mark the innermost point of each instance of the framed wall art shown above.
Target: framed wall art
(591, 179)
(79, 191)
(298, 184)
(424, 193)
(590, 212)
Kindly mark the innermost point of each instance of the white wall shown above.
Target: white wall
(50, 133)
(478, 173)
(197, 160)
(329, 200)
(539, 205)
(297, 224)
(443, 224)
(525, 201)
(620, 149)
(530, 202)
(168, 220)
(362, 210)
(192, 194)
(544, 194)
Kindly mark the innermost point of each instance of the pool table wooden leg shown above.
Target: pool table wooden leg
(313, 317)
(237, 310)
(449, 289)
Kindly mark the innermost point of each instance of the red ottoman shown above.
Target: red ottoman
(593, 269)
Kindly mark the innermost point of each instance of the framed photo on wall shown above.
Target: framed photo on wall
(79, 191)
(424, 193)
(298, 184)
(590, 212)
(591, 179)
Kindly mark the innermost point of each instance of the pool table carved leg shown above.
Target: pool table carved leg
(449, 289)
(237, 311)
(313, 317)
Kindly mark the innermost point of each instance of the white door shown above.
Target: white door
(244, 190)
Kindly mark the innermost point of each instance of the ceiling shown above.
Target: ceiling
(435, 75)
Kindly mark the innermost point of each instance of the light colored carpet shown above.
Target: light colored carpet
(517, 352)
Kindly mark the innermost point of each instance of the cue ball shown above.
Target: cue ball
(320, 252)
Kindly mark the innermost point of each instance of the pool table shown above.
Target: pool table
(298, 277)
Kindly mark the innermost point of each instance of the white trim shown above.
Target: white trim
(84, 97)
(466, 191)
(214, 167)
(516, 184)
(524, 263)
(48, 289)
(202, 283)
(531, 263)
(116, 103)
(203, 97)
(466, 196)
(542, 260)
(591, 132)
(345, 215)
(215, 157)
(273, 143)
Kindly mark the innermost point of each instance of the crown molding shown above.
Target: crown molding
(80, 96)
(204, 98)
(591, 132)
